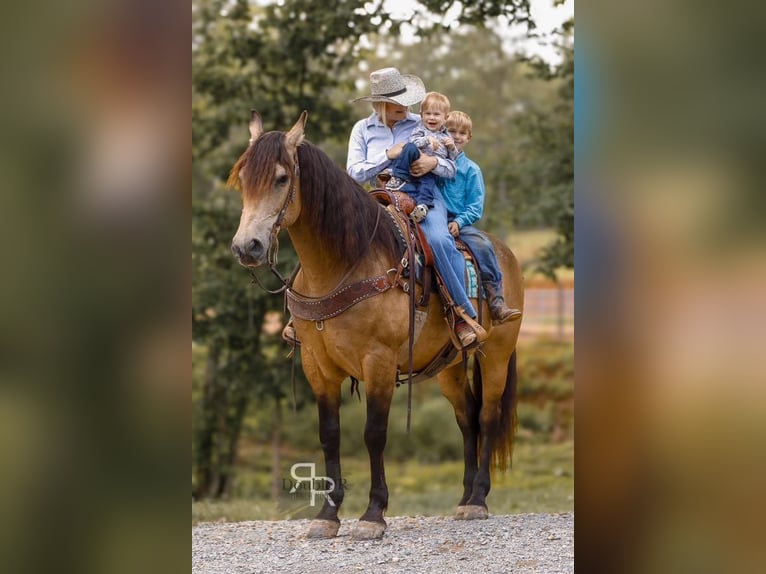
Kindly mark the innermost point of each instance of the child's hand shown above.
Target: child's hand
(394, 151)
(434, 142)
(454, 228)
(449, 143)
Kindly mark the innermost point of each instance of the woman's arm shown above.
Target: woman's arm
(442, 167)
(359, 166)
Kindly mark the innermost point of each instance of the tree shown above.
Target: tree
(552, 139)
(281, 59)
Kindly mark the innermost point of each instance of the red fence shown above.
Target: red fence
(548, 312)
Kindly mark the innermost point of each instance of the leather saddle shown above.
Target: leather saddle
(399, 205)
(418, 260)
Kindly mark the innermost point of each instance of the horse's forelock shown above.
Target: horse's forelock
(258, 164)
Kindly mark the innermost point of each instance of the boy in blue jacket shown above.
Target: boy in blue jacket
(464, 198)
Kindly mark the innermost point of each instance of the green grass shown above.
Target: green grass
(526, 245)
(541, 480)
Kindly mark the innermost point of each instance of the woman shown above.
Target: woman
(377, 140)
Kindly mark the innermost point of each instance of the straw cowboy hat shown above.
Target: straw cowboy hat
(388, 85)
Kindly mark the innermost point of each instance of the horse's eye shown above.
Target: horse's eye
(282, 180)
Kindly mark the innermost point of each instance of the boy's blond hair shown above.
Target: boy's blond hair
(435, 100)
(457, 120)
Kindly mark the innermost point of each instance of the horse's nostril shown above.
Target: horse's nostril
(248, 252)
(256, 248)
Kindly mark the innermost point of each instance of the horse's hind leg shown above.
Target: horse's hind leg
(371, 525)
(496, 421)
(454, 386)
(327, 523)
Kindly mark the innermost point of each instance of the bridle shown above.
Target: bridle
(272, 253)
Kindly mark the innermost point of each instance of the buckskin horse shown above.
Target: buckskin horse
(343, 242)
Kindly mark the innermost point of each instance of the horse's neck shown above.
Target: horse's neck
(321, 270)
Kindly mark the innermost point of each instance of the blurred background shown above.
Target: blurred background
(670, 297)
(94, 289)
(516, 80)
(94, 329)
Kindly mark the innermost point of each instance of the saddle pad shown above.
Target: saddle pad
(472, 280)
(471, 277)
(403, 204)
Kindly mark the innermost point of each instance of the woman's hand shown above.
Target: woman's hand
(394, 151)
(423, 165)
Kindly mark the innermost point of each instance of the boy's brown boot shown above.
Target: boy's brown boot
(464, 333)
(498, 310)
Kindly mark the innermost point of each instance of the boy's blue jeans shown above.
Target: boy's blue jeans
(449, 261)
(482, 249)
(422, 189)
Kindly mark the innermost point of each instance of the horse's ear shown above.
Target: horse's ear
(295, 136)
(256, 125)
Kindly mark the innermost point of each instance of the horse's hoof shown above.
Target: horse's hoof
(471, 512)
(323, 529)
(364, 530)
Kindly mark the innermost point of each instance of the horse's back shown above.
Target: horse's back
(513, 279)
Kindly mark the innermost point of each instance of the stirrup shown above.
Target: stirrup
(288, 334)
(481, 333)
(464, 333)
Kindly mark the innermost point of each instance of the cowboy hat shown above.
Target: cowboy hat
(388, 85)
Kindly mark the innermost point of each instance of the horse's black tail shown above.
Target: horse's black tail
(502, 447)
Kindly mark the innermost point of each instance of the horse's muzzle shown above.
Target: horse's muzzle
(250, 255)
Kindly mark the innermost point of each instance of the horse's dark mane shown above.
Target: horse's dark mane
(340, 211)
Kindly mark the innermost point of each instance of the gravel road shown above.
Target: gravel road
(520, 543)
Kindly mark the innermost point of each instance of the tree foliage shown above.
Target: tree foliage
(281, 59)
(522, 120)
(552, 139)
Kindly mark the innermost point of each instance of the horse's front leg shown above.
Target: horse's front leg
(371, 525)
(327, 523)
